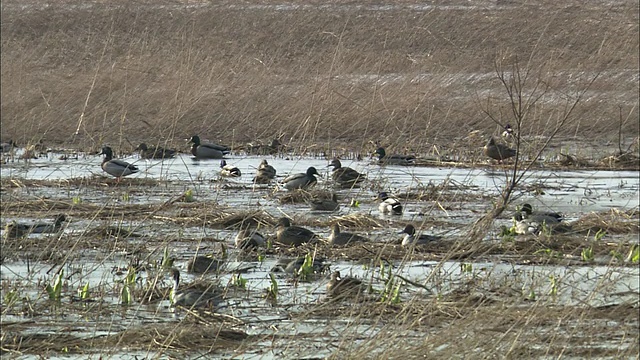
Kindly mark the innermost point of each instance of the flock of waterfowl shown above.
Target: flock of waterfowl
(286, 233)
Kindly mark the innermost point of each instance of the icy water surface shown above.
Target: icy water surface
(465, 195)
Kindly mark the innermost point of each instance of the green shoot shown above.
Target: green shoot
(587, 254)
(272, 291)
(634, 254)
(55, 291)
(84, 292)
(188, 196)
(599, 235)
(466, 267)
(126, 297)
(167, 261)
(306, 270)
(239, 281)
(553, 291)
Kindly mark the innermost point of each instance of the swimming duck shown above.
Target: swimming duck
(342, 286)
(541, 216)
(384, 159)
(292, 235)
(192, 297)
(265, 173)
(204, 264)
(325, 204)
(249, 239)
(301, 180)
(155, 152)
(229, 170)
(345, 177)
(344, 238)
(498, 151)
(14, 229)
(292, 266)
(389, 205)
(115, 167)
(410, 237)
(207, 151)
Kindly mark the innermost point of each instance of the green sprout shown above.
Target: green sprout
(55, 291)
(354, 203)
(167, 261)
(126, 297)
(10, 298)
(188, 196)
(84, 292)
(587, 254)
(272, 291)
(306, 270)
(76, 200)
(466, 267)
(239, 281)
(599, 235)
(126, 197)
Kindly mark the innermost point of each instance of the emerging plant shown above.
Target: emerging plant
(306, 270)
(188, 196)
(83, 293)
(587, 254)
(554, 282)
(634, 254)
(272, 290)
(167, 261)
(466, 268)
(55, 291)
(126, 295)
(10, 298)
(238, 281)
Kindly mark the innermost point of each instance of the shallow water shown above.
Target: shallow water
(468, 194)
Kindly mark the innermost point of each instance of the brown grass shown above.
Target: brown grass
(136, 71)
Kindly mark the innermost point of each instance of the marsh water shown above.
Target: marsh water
(458, 198)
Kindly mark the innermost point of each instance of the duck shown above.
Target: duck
(345, 177)
(549, 217)
(301, 180)
(204, 264)
(498, 151)
(15, 229)
(155, 152)
(249, 239)
(344, 238)
(325, 204)
(389, 205)
(384, 159)
(207, 151)
(524, 226)
(292, 235)
(265, 173)
(342, 286)
(115, 167)
(292, 266)
(410, 237)
(275, 147)
(508, 132)
(229, 170)
(192, 297)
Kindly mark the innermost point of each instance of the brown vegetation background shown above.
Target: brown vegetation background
(325, 73)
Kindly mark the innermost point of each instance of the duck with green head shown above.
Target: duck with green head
(301, 180)
(207, 151)
(115, 167)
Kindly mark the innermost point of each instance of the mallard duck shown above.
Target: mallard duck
(204, 264)
(207, 151)
(115, 167)
(410, 237)
(549, 217)
(192, 297)
(292, 266)
(14, 229)
(523, 226)
(292, 235)
(325, 204)
(344, 238)
(249, 239)
(345, 177)
(498, 151)
(229, 170)
(389, 205)
(301, 180)
(155, 152)
(384, 159)
(535, 225)
(342, 286)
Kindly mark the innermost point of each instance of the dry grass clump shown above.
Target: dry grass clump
(325, 76)
(613, 221)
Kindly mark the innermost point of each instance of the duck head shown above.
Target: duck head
(409, 229)
(335, 163)
(312, 171)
